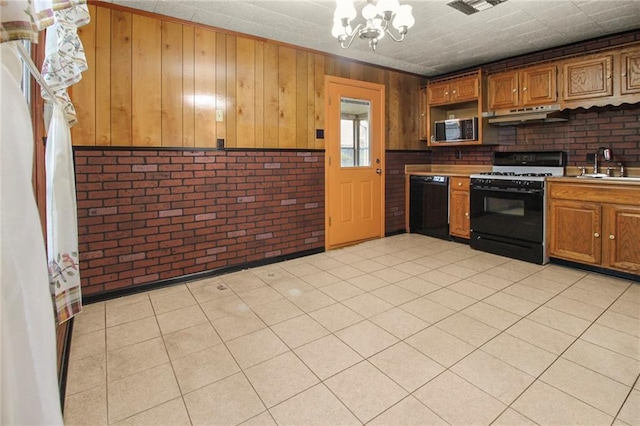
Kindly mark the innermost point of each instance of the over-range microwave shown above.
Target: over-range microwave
(456, 130)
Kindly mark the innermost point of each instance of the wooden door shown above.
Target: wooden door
(503, 90)
(630, 72)
(538, 85)
(574, 231)
(587, 78)
(459, 223)
(464, 89)
(438, 93)
(354, 161)
(621, 236)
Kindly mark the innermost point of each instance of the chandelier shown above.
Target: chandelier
(378, 16)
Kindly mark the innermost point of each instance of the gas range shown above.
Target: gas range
(522, 169)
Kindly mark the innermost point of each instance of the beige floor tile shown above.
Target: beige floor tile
(132, 332)
(510, 303)
(365, 390)
(471, 289)
(619, 322)
(368, 282)
(588, 386)
(459, 402)
(88, 407)
(86, 373)
(519, 354)
(124, 362)
(409, 411)
(508, 274)
(632, 294)
(327, 356)
(172, 301)
(399, 323)
(490, 281)
(606, 362)
(614, 340)
(345, 256)
(575, 308)
(180, 319)
(336, 317)
(209, 289)
(120, 314)
(345, 272)
(490, 315)
(299, 331)
(431, 262)
(280, 378)
(322, 261)
(229, 401)
(406, 366)
(439, 278)
(467, 329)
(315, 406)
(169, 413)
(531, 294)
(163, 291)
(256, 347)
(626, 308)
(547, 405)
(589, 297)
(541, 336)
(341, 290)
(440, 346)
(495, 377)
(312, 300)
(561, 274)
(451, 299)
(224, 306)
(366, 338)
(391, 275)
(458, 270)
(367, 305)
(259, 296)
(413, 268)
(544, 283)
(126, 300)
(558, 320)
(603, 284)
(388, 260)
(205, 367)
(141, 391)
(630, 412)
(477, 265)
(418, 286)
(511, 417)
(292, 286)
(394, 294)
(243, 281)
(368, 266)
(262, 419)
(278, 311)
(320, 279)
(88, 344)
(427, 310)
(90, 320)
(190, 340)
(239, 324)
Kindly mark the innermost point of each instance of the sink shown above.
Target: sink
(604, 176)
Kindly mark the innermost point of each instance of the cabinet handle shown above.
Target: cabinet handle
(524, 89)
(608, 77)
(612, 237)
(466, 214)
(446, 93)
(454, 92)
(459, 183)
(596, 235)
(624, 74)
(514, 90)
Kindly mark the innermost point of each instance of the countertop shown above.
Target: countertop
(596, 181)
(451, 170)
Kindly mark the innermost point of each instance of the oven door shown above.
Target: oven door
(509, 213)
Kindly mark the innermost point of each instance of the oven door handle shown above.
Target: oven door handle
(511, 191)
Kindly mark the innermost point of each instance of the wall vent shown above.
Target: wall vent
(469, 7)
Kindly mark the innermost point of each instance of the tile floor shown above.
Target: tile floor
(405, 330)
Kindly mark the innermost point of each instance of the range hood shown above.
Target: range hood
(537, 114)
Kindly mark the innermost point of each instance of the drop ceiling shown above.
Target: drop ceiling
(442, 40)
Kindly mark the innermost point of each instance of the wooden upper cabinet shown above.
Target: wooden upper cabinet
(588, 78)
(630, 63)
(523, 88)
(452, 91)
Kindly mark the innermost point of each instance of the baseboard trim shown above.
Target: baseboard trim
(604, 271)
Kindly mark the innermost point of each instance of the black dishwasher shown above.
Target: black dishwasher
(429, 206)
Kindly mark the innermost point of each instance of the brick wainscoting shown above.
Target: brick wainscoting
(151, 215)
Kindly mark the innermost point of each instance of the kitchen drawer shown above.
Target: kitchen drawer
(460, 183)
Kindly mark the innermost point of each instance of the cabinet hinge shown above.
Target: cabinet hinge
(329, 220)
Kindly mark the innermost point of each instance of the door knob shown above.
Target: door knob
(379, 171)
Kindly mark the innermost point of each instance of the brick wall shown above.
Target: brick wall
(151, 215)
(617, 128)
(394, 186)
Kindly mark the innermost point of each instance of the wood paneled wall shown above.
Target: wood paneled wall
(158, 82)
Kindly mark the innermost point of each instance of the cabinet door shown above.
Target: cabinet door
(422, 126)
(538, 85)
(464, 89)
(459, 223)
(621, 237)
(630, 62)
(438, 93)
(588, 78)
(574, 231)
(503, 90)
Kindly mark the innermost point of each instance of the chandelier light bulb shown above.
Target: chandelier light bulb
(388, 6)
(337, 29)
(404, 18)
(345, 10)
(369, 11)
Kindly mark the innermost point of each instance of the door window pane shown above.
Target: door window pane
(355, 133)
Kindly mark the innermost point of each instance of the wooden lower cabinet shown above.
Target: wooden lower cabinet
(459, 225)
(599, 231)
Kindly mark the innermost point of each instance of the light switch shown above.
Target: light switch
(219, 115)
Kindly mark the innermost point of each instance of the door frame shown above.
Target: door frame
(380, 88)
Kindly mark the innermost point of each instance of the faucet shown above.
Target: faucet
(606, 154)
